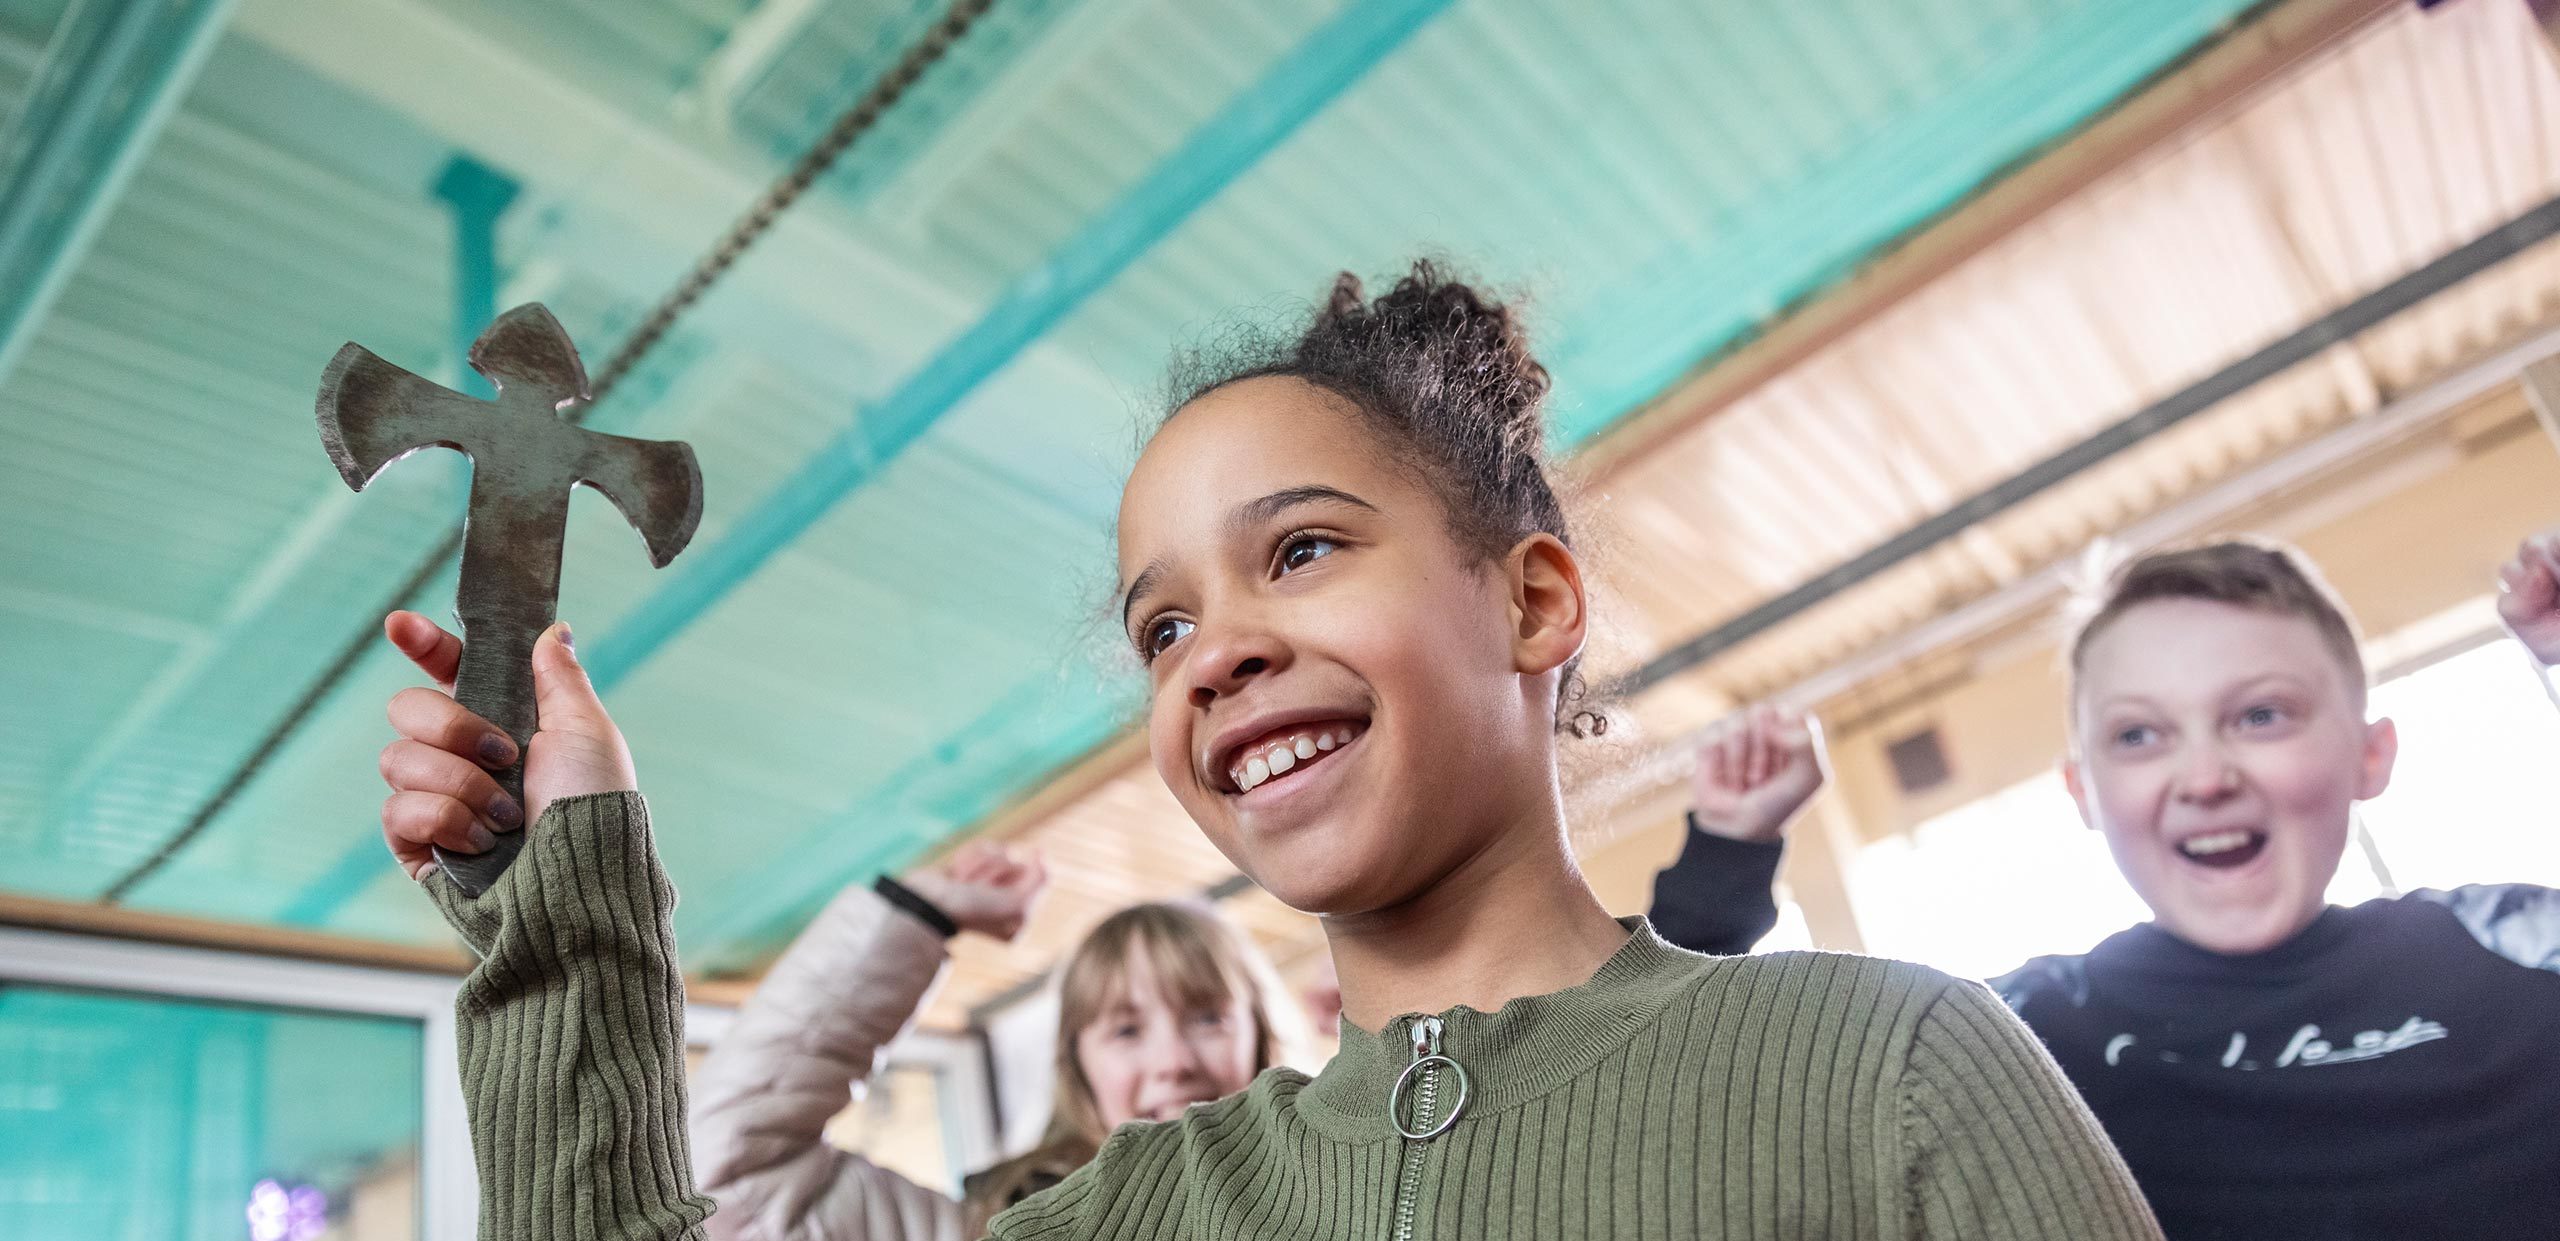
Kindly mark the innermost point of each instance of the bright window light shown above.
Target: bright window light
(2470, 798)
(1983, 887)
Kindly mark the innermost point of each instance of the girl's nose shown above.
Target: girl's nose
(1229, 657)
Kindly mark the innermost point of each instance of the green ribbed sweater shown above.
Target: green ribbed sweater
(570, 1034)
(1797, 1095)
(1794, 1095)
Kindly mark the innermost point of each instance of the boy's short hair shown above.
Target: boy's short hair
(2257, 574)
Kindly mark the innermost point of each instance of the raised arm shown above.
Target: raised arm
(811, 1036)
(1753, 775)
(2529, 596)
(570, 1030)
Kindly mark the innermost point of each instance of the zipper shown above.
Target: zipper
(1428, 1119)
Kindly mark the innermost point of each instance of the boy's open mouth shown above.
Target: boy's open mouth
(1282, 752)
(2224, 850)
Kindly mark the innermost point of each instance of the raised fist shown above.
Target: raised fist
(985, 887)
(2529, 596)
(1754, 772)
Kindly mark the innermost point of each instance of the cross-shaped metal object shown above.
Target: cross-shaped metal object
(524, 460)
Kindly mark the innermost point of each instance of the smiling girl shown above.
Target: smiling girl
(1160, 1006)
(1356, 595)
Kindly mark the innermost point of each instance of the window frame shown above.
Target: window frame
(448, 1191)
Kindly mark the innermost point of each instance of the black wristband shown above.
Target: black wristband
(926, 911)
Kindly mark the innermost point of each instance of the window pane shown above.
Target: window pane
(1978, 890)
(897, 1124)
(2467, 802)
(134, 1118)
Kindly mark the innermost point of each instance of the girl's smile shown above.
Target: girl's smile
(1328, 667)
(1271, 754)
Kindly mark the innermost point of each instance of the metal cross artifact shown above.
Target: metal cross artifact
(524, 460)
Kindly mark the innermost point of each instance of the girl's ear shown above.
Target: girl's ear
(1550, 614)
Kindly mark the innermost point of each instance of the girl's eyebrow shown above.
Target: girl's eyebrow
(1145, 581)
(1245, 516)
(1253, 513)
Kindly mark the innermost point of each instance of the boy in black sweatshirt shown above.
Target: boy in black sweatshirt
(2270, 1066)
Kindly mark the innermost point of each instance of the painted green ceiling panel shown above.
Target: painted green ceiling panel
(67, 707)
(840, 49)
(177, 557)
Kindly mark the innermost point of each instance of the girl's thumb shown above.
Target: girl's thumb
(564, 699)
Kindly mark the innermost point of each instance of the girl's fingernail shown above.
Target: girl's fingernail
(497, 751)
(482, 839)
(567, 643)
(427, 872)
(506, 813)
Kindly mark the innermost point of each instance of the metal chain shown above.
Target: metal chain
(856, 121)
(840, 137)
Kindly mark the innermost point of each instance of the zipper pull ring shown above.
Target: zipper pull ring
(1427, 1054)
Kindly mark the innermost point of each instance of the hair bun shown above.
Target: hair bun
(1475, 348)
(1444, 376)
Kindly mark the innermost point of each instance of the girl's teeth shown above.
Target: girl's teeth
(1286, 756)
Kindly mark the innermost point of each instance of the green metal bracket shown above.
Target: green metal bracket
(479, 195)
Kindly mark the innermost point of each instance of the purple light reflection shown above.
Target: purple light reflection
(281, 1213)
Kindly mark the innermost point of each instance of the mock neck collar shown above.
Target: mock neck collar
(1525, 1048)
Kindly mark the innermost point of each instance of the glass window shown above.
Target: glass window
(897, 1124)
(134, 1117)
(2468, 800)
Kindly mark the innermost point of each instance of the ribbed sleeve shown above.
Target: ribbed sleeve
(570, 1034)
(1997, 1144)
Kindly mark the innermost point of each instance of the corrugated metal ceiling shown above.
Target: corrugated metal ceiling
(179, 560)
(2239, 231)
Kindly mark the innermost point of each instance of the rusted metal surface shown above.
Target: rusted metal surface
(524, 459)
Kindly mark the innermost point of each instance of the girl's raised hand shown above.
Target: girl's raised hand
(1754, 772)
(2529, 595)
(442, 792)
(985, 887)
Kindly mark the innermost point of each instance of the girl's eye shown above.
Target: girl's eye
(1303, 549)
(2134, 736)
(1209, 1019)
(1162, 633)
(2261, 717)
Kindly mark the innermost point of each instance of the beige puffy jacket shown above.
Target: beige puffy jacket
(808, 1039)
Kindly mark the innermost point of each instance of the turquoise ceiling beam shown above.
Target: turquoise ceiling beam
(1036, 727)
(478, 195)
(1294, 90)
(111, 76)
